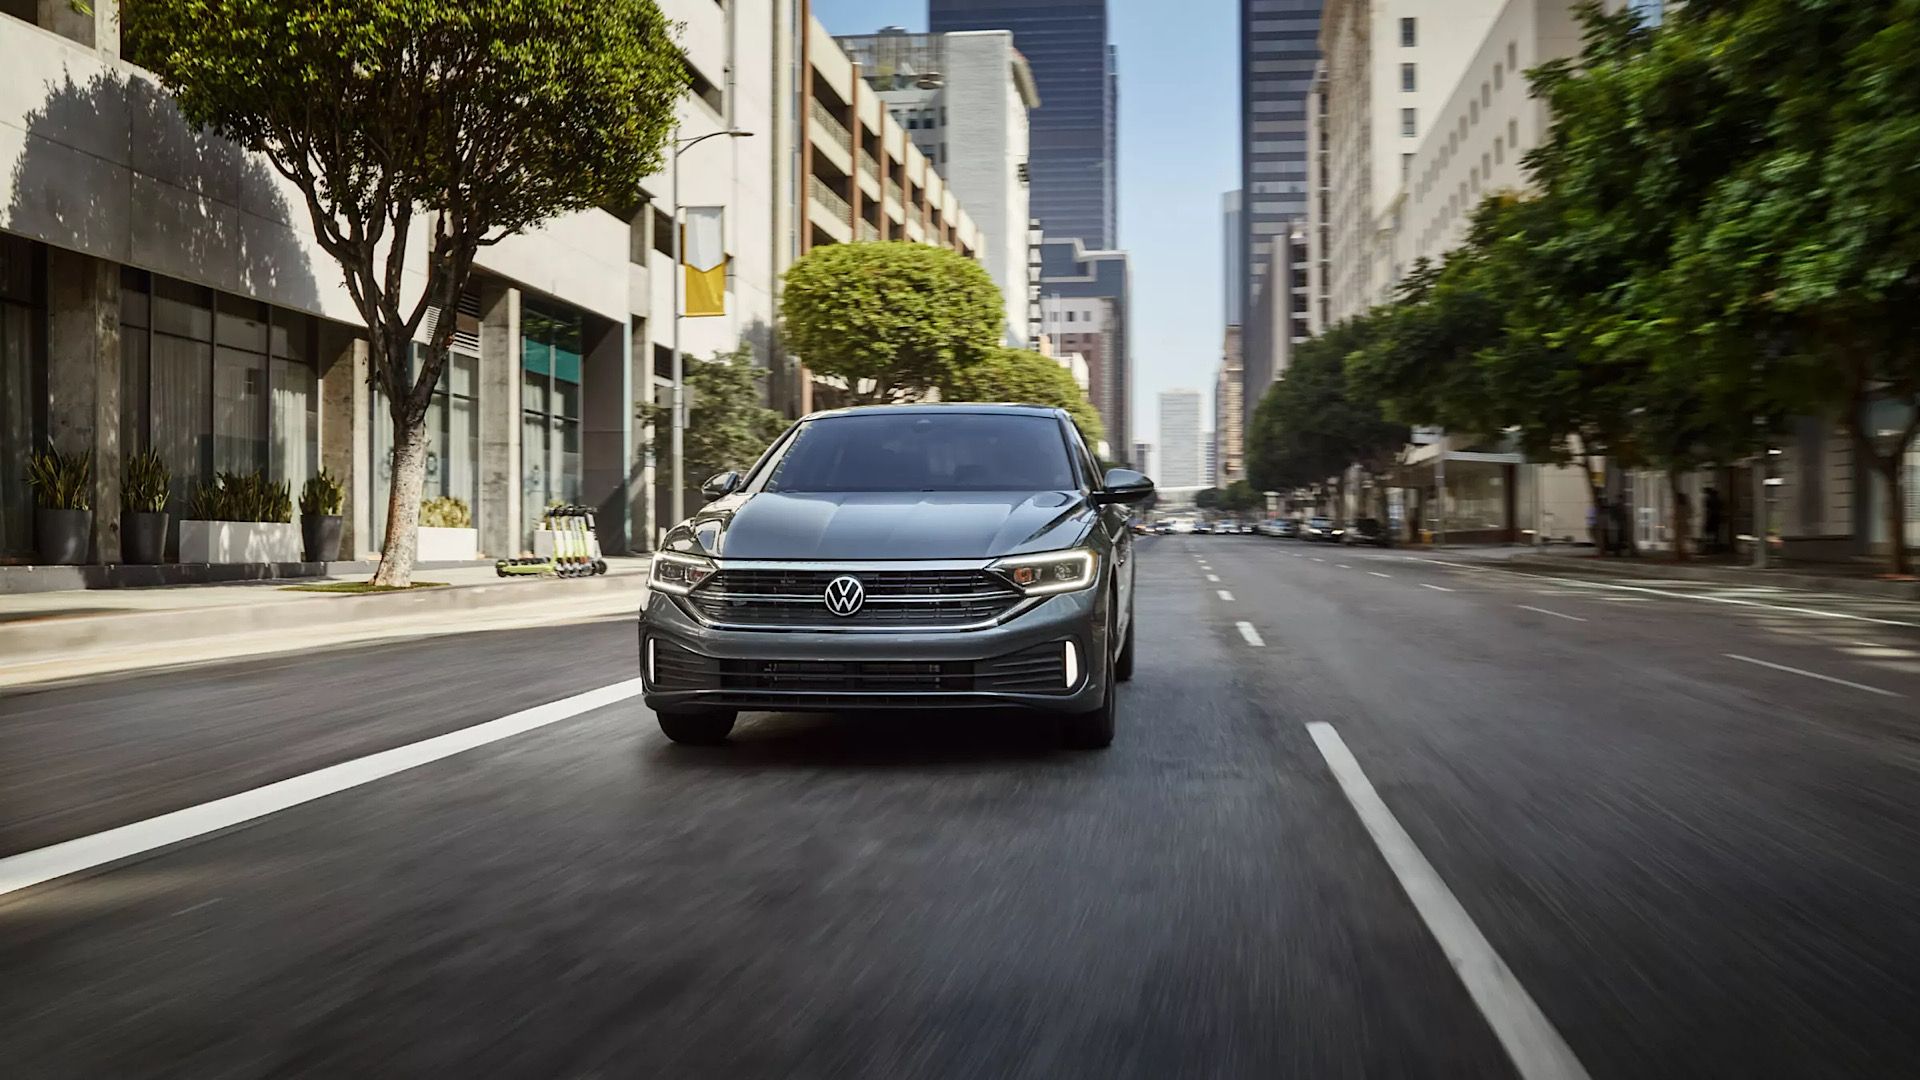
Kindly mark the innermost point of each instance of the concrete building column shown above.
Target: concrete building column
(83, 379)
(607, 459)
(346, 449)
(646, 510)
(499, 517)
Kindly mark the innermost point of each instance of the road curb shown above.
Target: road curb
(58, 636)
(1894, 590)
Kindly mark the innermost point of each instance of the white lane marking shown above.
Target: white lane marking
(1343, 566)
(1535, 1047)
(1296, 555)
(1435, 588)
(1377, 573)
(1253, 636)
(1582, 583)
(1456, 565)
(58, 860)
(1225, 595)
(1215, 578)
(1812, 675)
(1555, 614)
(1317, 558)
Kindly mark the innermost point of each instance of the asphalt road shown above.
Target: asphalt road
(1681, 818)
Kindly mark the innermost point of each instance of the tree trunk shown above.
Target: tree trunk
(403, 503)
(1682, 516)
(1890, 469)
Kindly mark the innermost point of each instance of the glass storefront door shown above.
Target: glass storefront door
(22, 371)
(550, 433)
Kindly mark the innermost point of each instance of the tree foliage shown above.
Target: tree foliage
(467, 121)
(727, 427)
(891, 319)
(1314, 422)
(1023, 377)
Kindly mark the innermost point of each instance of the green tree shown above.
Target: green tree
(468, 121)
(727, 427)
(1023, 377)
(1316, 421)
(891, 319)
(1208, 498)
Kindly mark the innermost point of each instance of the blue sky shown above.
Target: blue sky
(1179, 150)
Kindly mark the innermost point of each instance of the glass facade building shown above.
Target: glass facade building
(1279, 46)
(1072, 134)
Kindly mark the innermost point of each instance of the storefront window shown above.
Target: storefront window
(453, 435)
(215, 383)
(22, 369)
(550, 467)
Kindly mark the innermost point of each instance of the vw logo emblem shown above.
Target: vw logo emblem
(845, 594)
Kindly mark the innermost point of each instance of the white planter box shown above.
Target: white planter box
(447, 545)
(239, 542)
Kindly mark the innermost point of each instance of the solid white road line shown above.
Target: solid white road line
(1253, 636)
(1225, 595)
(1536, 1048)
(58, 860)
(1583, 583)
(1544, 611)
(1812, 675)
(1213, 578)
(1435, 588)
(1377, 573)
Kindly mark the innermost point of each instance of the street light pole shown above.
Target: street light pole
(678, 500)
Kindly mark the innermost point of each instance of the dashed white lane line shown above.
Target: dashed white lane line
(1318, 559)
(1377, 573)
(1435, 588)
(1530, 1039)
(1215, 578)
(1225, 595)
(1343, 566)
(1555, 614)
(1812, 675)
(58, 860)
(1253, 636)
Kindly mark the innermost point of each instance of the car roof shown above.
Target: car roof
(931, 408)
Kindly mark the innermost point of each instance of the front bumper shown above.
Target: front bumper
(687, 665)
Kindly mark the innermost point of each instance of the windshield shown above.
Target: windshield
(1320, 523)
(918, 451)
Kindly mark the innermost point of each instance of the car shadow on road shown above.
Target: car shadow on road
(887, 740)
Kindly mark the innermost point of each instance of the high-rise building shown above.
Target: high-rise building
(1143, 457)
(1074, 178)
(1279, 45)
(1229, 430)
(1210, 467)
(1233, 264)
(963, 100)
(1182, 461)
(1084, 298)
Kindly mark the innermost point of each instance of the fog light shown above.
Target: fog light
(650, 643)
(1072, 665)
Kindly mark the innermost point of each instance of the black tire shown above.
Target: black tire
(696, 728)
(1123, 664)
(1093, 729)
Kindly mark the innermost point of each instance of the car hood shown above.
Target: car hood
(885, 525)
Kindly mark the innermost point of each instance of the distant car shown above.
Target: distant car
(1285, 528)
(1322, 530)
(1369, 531)
(1180, 526)
(1203, 528)
(1162, 528)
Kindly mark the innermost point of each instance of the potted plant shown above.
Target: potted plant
(446, 531)
(143, 508)
(63, 504)
(320, 501)
(240, 518)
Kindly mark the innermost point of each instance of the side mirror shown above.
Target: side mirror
(720, 485)
(1123, 486)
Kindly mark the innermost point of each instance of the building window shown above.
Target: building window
(1497, 75)
(1513, 134)
(550, 468)
(1409, 33)
(1486, 165)
(1513, 56)
(1486, 96)
(22, 393)
(1409, 122)
(1408, 81)
(1499, 150)
(1406, 166)
(1473, 112)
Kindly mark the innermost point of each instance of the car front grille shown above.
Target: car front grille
(1040, 669)
(784, 599)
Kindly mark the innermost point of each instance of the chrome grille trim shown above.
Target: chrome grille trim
(767, 595)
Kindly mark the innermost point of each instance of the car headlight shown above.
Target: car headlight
(678, 574)
(1051, 572)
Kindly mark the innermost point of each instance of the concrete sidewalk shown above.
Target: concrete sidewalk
(1862, 582)
(70, 633)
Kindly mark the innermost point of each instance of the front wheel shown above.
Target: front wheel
(1123, 664)
(696, 728)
